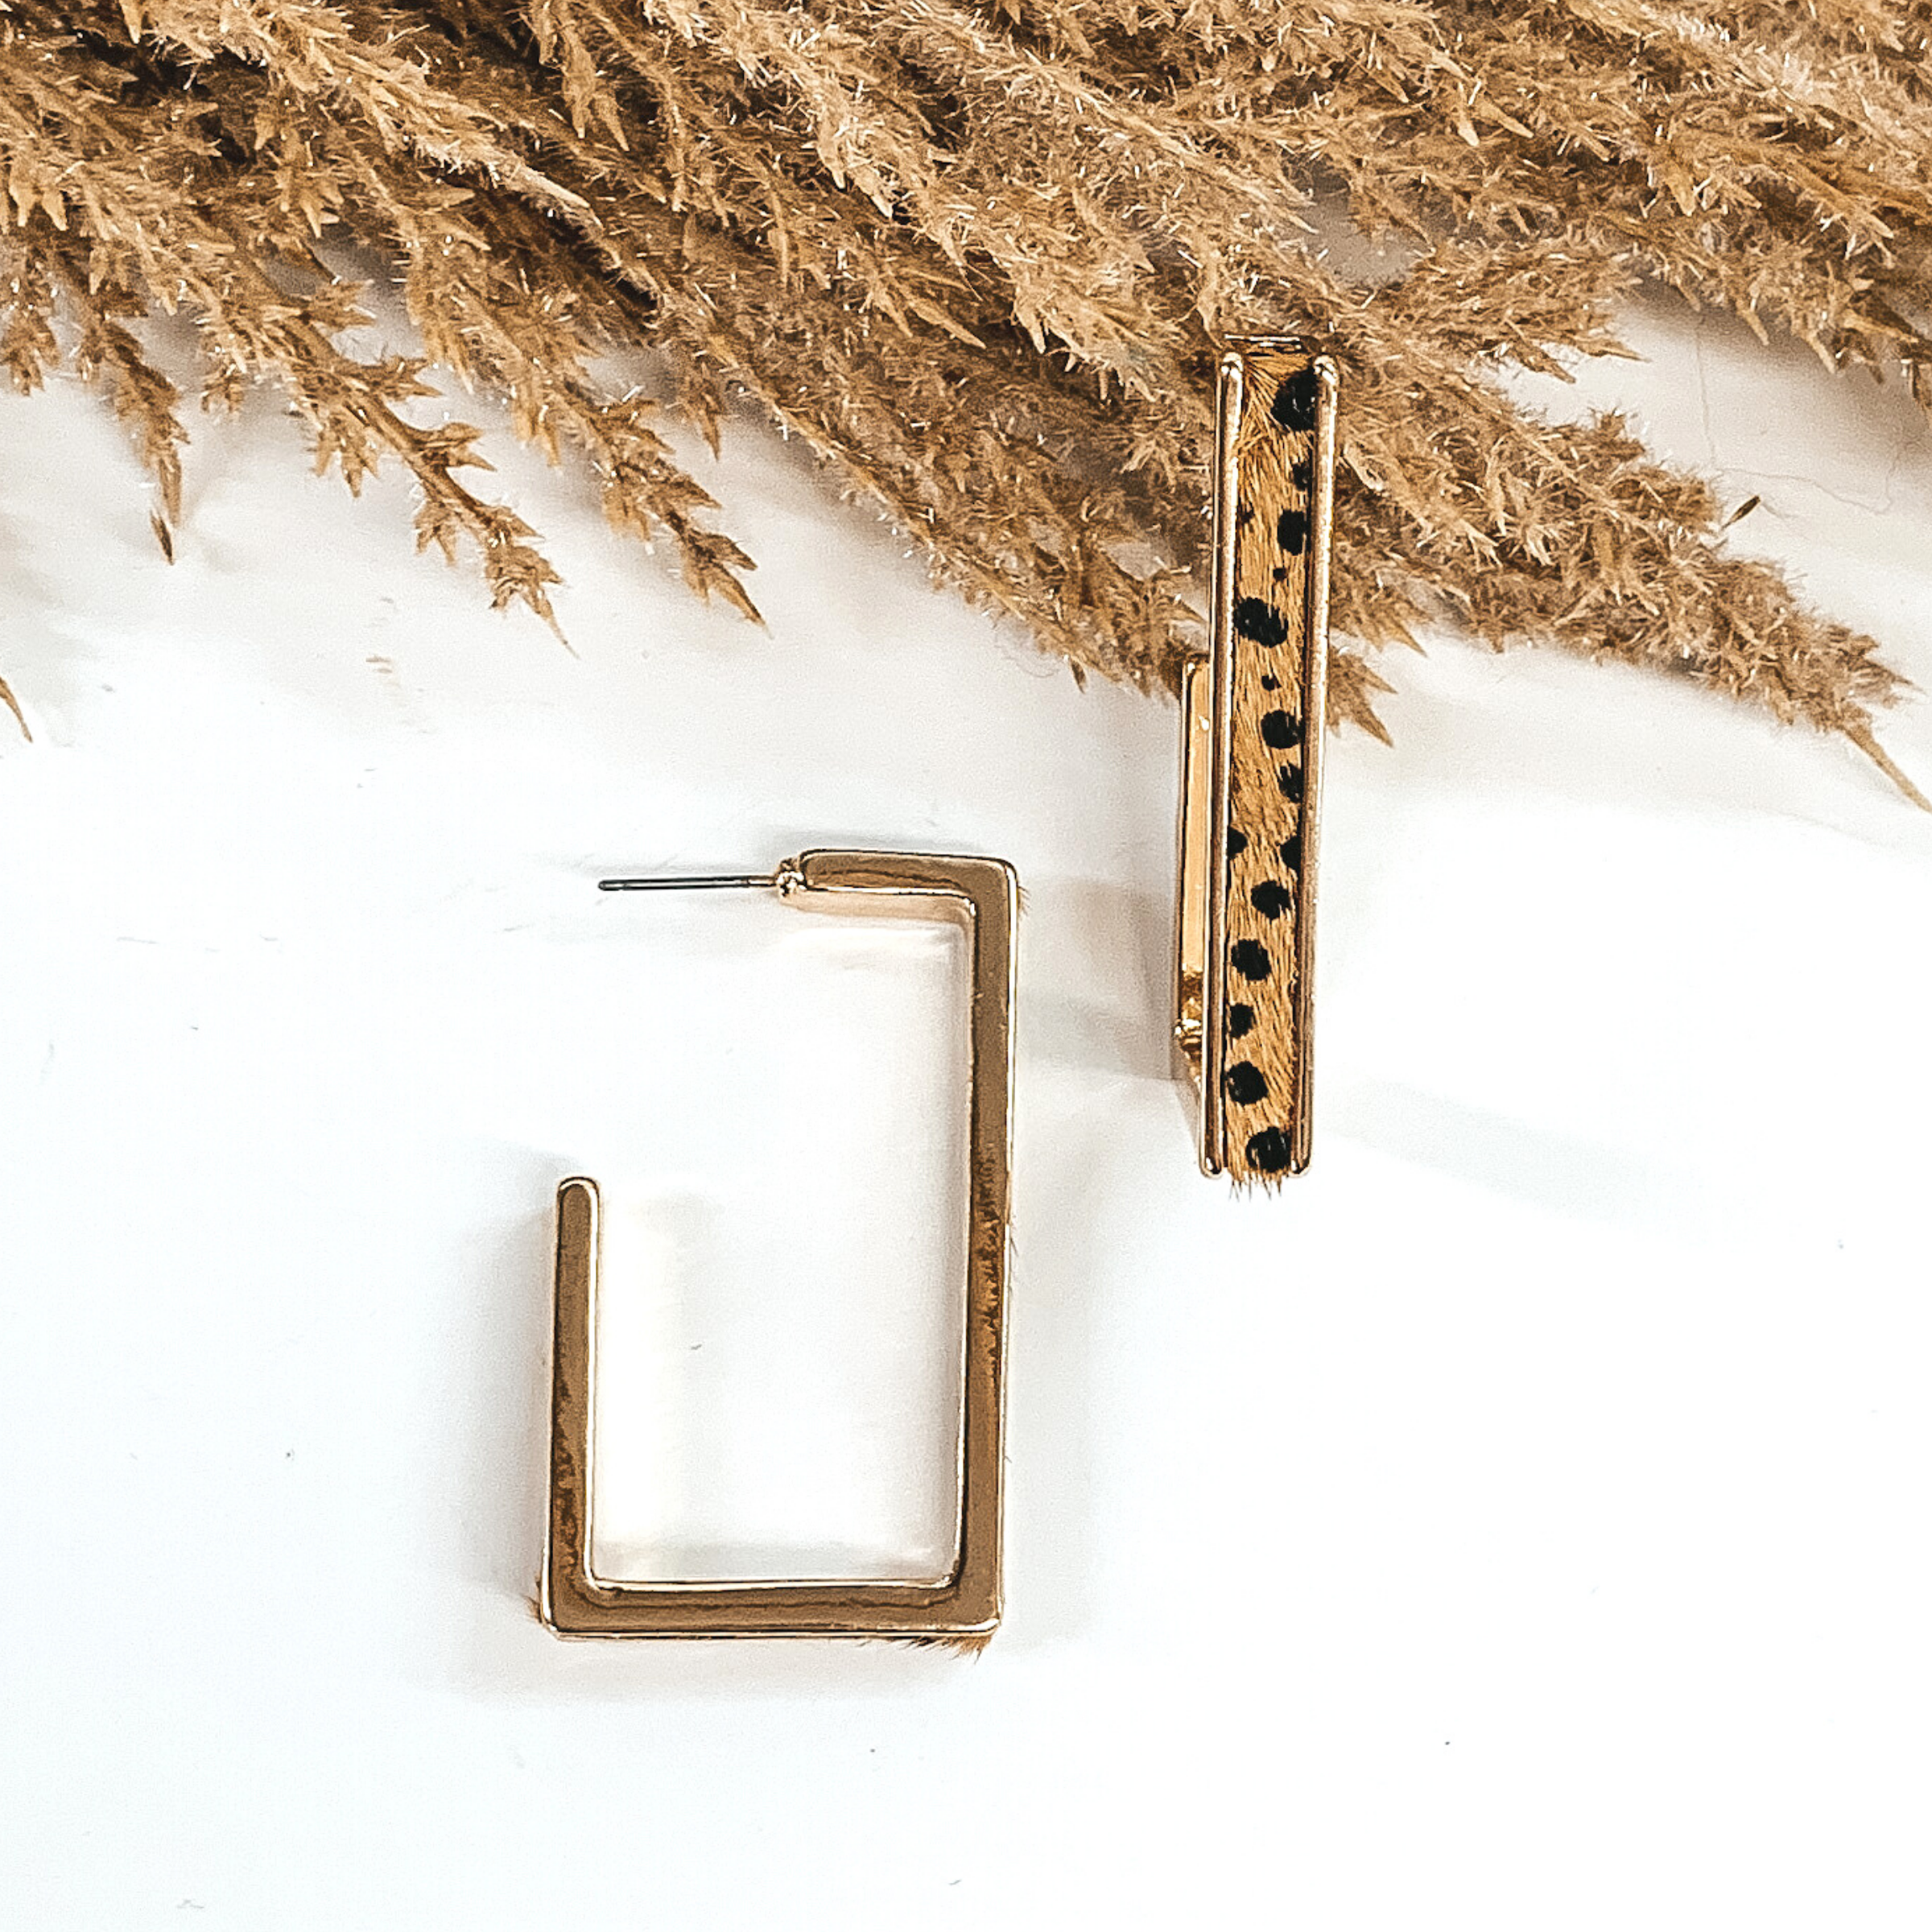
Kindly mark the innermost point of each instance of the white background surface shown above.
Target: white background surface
(1522, 1521)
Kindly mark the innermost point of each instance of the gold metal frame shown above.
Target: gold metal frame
(964, 1605)
(1256, 484)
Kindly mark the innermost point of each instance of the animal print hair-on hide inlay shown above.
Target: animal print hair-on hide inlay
(1272, 622)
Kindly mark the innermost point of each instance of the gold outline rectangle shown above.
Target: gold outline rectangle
(983, 894)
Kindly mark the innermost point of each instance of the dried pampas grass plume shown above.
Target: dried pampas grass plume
(976, 255)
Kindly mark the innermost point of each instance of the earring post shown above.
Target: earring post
(702, 883)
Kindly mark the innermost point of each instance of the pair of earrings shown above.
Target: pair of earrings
(1252, 712)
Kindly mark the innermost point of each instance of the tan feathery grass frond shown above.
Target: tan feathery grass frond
(977, 257)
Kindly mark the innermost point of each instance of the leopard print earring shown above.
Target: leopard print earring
(1252, 712)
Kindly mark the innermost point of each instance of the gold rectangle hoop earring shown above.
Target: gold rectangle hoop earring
(1252, 713)
(964, 1606)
